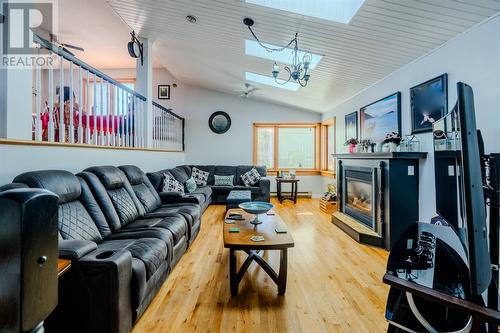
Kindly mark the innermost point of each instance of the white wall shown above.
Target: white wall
(15, 159)
(473, 58)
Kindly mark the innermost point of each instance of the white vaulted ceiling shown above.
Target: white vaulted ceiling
(383, 36)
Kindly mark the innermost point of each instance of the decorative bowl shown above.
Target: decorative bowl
(256, 208)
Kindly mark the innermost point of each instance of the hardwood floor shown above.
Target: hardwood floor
(334, 283)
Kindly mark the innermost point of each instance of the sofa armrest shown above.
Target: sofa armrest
(74, 249)
(106, 280)
(169, 198)
(265, 190)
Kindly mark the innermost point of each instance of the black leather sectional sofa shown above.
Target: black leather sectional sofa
(123, 236)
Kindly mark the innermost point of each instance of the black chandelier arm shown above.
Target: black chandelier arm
(285, 81)
(270, 49)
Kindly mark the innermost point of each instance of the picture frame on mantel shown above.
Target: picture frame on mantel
(351, 126)
(163, 91)
(428, 103)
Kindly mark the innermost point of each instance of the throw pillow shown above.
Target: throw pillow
(251, 177)
(170, 184)
(200, 176)
(190, 185)
(223, 180)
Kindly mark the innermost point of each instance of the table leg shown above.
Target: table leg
(295, 192)
(278, 189)
(232, 273)
(283, 271)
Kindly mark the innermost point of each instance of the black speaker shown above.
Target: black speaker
(28, 258)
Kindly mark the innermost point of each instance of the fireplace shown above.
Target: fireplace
(359, 186)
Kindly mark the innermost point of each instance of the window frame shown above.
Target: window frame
(276, 126)
(324, 147)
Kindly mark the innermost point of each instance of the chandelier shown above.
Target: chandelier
(298, 71)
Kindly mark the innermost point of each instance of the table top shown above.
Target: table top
(287, 180)
(62, 266)
(241, 240)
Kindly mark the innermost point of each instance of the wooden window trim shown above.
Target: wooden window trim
(299, 171)
(324, 147)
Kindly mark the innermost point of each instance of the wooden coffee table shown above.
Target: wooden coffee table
(241, 242)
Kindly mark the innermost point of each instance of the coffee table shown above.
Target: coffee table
(241, 242)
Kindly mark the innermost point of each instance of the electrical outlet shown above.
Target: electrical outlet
(451, 170)
(411, 170)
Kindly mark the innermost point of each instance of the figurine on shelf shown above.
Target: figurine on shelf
(352, 142)
(367, 146)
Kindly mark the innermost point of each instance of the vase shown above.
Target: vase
(352, 148)
(393, 147)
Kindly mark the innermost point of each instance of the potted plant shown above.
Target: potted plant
(393, 139)
(352, 142)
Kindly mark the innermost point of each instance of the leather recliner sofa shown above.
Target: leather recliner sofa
(121, 255)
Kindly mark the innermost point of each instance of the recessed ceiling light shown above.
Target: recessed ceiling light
(253, 48)
(191, 19)
(339, 10)
(268, 80)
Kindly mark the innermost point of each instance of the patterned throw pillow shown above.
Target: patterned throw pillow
(190, 185)
(200, 176)
(223, 180)
(251, 177)
(170, 184)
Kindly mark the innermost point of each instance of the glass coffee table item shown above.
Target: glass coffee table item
(256, 208)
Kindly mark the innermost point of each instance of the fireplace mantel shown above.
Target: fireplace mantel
(384, 156)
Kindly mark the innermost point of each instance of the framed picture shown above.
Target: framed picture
(351, 126)
(219, 122)
(381, 117)
(428, 102)
(164, 91)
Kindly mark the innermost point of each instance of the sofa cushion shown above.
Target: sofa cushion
(175, 224)
(190, 211)
(241, 169)
(180, 174)
(200, 197)
(205, 190)
(170, 184)
(252, 189)
(151, 252)
(111, 177)
(76, 223)
(156, 179)
(251, 177)
(200, 176)
(63, 183)
(224, 180)
(142, 187)
(225, 170)
(190, 185)
(222, 189)
(207, 168)
(124, 205)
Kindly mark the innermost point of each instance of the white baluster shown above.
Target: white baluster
(50, 136)
(71, 130)
(113, 115)
(87, 110)
(38, 101)
(94, 110)
(101, 113)
(61, 101)
(80, 104)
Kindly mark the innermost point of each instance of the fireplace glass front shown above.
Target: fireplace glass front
(359, 195)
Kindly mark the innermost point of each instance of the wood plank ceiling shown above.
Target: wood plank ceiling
(383, 36)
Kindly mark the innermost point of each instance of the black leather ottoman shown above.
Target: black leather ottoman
(236, 197)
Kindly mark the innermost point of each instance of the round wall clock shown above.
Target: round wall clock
(219, 122)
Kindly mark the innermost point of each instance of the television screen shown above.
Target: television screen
(428, 103)
(380, 118)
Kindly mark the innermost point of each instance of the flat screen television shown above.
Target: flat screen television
(456, 132)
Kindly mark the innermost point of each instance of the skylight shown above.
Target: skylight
(333, 10)
(269, 80)
(253, 48)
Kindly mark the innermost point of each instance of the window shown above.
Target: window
(287, 146)
(328, 147)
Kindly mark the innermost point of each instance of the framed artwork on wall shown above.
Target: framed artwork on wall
(164, 91)
(219, 122)
(380, 118)
(351, 126)
(428, 103)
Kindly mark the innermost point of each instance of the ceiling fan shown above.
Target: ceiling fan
(249, 89)
(55, 40)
